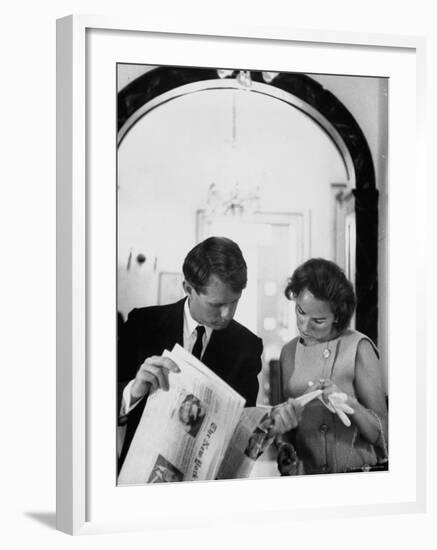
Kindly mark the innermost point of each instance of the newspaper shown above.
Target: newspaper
(249, 441)
(251, 438)
(197, 430)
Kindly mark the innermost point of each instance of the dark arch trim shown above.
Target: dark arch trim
(163, 79)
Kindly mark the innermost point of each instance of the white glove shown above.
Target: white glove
(336, 403)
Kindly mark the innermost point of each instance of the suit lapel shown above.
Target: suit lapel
(173, 325)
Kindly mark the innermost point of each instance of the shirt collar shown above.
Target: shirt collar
(190, 324)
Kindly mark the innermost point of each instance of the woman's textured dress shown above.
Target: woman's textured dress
(323, 443)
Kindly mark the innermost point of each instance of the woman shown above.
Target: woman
(345, 429)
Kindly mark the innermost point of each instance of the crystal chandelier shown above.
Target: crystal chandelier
(235, 200)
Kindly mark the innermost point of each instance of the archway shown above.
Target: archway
(165, 83)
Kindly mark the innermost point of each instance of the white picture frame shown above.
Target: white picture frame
(80, 491)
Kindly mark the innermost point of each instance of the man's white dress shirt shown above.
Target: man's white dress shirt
(189, 339)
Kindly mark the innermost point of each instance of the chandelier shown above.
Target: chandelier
(235, 200)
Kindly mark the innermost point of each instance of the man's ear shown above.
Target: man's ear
(187, 288)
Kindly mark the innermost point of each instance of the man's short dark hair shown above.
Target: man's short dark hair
(327, 282)
(217, 256)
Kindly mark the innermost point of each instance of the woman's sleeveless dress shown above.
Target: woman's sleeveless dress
(323, 443)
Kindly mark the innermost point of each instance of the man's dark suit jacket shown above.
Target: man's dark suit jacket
(233, 353)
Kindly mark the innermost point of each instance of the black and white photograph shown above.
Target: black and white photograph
(191, 414)
(259, 439)
(164, 472)
(218, 284)
(251, 232)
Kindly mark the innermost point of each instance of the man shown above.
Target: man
(215, 275)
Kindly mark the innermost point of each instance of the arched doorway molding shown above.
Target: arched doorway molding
(164, 84)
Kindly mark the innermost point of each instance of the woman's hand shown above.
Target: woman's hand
(337, 401)
(285, 417)
(287, 460)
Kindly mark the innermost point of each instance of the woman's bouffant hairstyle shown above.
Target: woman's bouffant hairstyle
(327, 282)
(217, 256)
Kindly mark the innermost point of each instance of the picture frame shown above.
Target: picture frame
(86, 501)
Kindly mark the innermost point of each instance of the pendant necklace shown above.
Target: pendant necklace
(326, 352)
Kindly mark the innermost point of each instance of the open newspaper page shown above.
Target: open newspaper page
(248, 443)
(184, 432)
(252, 437)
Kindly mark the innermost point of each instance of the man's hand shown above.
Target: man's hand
(152, 375)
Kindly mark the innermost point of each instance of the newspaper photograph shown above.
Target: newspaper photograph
(249, 441)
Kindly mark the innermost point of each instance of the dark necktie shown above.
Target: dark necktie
(197, 349)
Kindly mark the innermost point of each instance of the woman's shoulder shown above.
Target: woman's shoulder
(289, 349)
(353, 335)
(358, 341)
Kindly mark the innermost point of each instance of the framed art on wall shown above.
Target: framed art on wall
(158, 124)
